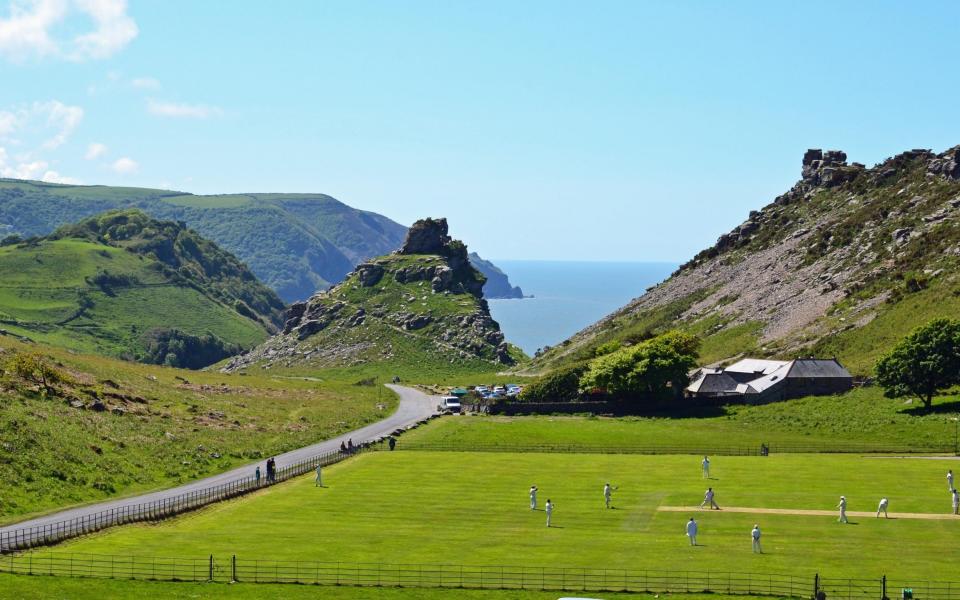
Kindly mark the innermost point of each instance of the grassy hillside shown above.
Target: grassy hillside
(123, 284)
(295, 243)
(418, 309)
(155, 426)
(843, 264)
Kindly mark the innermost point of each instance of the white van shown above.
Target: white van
(450, 404)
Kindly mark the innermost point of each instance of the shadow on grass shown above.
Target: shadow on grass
(952, 407)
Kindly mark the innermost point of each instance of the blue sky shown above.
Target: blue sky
(542, 130)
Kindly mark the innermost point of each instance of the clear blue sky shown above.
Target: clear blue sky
(545, 130)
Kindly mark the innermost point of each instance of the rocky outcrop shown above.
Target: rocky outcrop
(498, 284)
(427, 290)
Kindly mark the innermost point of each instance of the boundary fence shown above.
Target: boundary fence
(500, 577)
(760, 449)
(13, 539)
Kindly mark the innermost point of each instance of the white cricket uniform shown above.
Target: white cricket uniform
(950, 480)
(319, 476)
(706, 467)
(956, 501)
(606, 494)
(533, 498)
(692, 532)
(708, 499)
(843, 510)
(755, 535)
(549, 509)
(883, 507)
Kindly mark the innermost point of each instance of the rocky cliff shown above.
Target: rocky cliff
(421, 304)
(843, 263)
(498, 283)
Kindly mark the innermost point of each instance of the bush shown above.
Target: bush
(562, 385)
(34, 368)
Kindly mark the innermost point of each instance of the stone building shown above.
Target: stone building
(758, 381)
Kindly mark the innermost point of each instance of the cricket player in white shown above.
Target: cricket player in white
(755, 535)
(705, 466)
(608, 492)
(950, 480)
(843, 509)
(956, 501)
(708, 499)
(319, 476)
(692, 531)
(549, 508)
(533, 497)
(883, 508)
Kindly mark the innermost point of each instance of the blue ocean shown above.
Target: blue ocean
(568, 296)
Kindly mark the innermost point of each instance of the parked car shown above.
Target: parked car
(481, 389)
(450, 404)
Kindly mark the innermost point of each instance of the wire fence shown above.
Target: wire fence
(14, 539)
(500, 577)
(759, 449)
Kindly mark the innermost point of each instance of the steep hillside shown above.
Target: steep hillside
(421, 305)
(843, 264)
(498, 283)
(124, 284)
(295, 243)
(116, 427)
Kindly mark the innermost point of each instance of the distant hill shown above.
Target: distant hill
(498, 283)
(842, 265)
(125, 284)
(295, 243)
(420, 306)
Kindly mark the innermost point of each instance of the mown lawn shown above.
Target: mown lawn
(862, 417)
(472, 509)
(25, 587)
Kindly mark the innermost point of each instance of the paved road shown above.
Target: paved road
(414, 406)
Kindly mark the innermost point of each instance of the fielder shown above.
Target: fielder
(755, 535)
(549, 508)
(692, 531)
(950, 479)
(883, 508)
(705, 466)
(608, 492)
(956, 501)
(533, 497)
(319, 482)
(708, 499)
(843, 509)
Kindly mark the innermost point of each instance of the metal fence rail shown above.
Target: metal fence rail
(14, 539)
(719, 450)
(500, 577)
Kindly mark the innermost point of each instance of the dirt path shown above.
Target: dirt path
(809, 513)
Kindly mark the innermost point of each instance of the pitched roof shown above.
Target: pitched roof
(755, 366)
(818, 367)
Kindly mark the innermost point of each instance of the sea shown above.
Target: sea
(568, 296)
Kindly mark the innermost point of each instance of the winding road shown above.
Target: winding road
(414, 406)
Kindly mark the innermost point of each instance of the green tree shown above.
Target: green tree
(650, 369)
(923, 363)
(35, 368)
(562, 385)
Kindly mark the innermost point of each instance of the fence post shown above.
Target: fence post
(211, 569)
(234, 567)
(816, 585)
(883, 588)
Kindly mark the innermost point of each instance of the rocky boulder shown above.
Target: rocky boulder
(426, 236)
(369, 274)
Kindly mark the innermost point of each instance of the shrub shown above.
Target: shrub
(562, 385)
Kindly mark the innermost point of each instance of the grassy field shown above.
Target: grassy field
(24, 587)
(178, 425)
(472, 508)
(863, 416)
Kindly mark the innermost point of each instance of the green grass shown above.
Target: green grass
(472, 508)
(25, 587)
(53, 455)
(863, 416)
(44, 289)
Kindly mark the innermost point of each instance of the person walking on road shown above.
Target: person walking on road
(692, 531)
(705, 467)
(843, 510)
(549, 508)
(755, 535)
(708, 499)
(533, 497)
(883, 508)
(319, 482)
